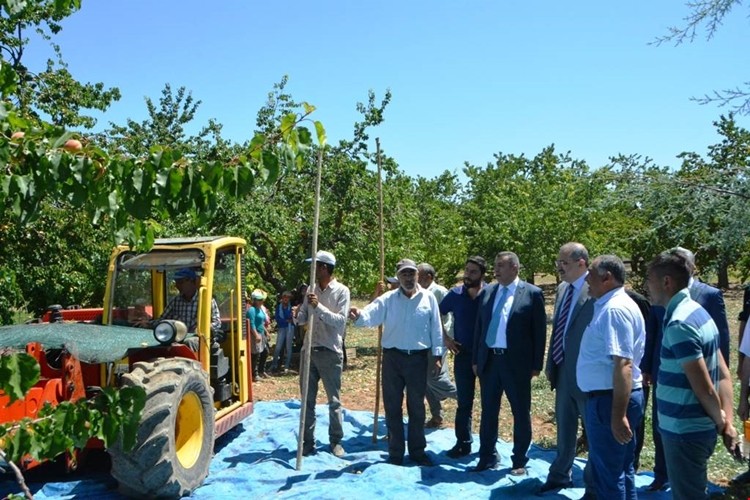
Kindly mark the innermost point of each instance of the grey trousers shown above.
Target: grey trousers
(439, 387)
(325, 365)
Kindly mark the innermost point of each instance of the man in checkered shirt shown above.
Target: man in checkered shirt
(184, 307)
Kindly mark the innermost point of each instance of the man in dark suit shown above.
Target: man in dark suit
(508, 351)
(711, 299)
(574, 308)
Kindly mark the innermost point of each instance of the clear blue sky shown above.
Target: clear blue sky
(469, 79)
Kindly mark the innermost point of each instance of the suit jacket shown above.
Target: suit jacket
(712, 301)
(526, 330)
(580, 317)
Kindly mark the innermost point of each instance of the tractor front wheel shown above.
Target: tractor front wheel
(175, 440)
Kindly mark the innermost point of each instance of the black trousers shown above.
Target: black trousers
(404, 371)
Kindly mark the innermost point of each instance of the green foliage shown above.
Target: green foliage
(51, 92)
(18, 374)
(531, 207)
(165, 126)
(111, 415)
(11, 295)
(59, 258)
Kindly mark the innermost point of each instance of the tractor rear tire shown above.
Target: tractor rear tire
(175, 440)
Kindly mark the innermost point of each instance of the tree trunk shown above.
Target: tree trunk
(723, 275)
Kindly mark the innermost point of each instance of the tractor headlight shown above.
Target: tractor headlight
(169, 331)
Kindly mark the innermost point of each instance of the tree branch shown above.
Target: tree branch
(19, 476)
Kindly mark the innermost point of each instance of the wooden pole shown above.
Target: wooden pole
(307, 344)
(382, 280)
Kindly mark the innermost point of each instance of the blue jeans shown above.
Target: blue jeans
(687, 465)
(660, 465)
(611, 462)
(284, 339)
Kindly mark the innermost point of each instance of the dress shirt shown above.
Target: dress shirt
(616, 329)
(501, 339)
(329, 327)
(409, 323)
(577, 288)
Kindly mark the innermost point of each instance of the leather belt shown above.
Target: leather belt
(498, 351)
(408, 352)
(605, 392)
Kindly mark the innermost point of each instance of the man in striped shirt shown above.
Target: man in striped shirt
(694, 388)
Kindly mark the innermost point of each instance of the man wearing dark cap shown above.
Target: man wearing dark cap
(411, 328)
(328, 301)
(184, 307)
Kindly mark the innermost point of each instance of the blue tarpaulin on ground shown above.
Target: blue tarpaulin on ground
(259, 458)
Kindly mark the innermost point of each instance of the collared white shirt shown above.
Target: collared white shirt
(616, 329)
(501, 338)
(409, 323)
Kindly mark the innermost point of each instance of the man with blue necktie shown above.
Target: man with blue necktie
(508, 352)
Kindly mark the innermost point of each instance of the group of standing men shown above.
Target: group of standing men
(593, 364)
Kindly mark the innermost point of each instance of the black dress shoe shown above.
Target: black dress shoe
(396, 460)
(547, 486)
(460, 450)
(656, 485)
(743, 478)
(422, 460)
(485, 465)
(308, 450)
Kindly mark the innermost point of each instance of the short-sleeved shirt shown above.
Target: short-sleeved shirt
(464, 309)
(616, 329)
(689, 334)
(187, 311)
(257, 319)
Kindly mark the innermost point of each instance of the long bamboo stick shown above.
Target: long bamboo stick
(307, 344)
(382, 280)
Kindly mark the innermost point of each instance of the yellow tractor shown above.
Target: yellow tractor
(197, 377)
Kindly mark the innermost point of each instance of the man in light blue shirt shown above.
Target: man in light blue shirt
(411, 328)
(607, 372)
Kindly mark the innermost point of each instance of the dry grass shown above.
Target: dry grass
(358, 393)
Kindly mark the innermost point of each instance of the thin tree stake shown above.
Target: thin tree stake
(382, 280)
(307, 344)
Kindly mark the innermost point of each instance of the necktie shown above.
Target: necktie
(557, 334)
(496, 315)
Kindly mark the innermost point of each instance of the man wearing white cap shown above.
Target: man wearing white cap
(329, 302)
(411, 328)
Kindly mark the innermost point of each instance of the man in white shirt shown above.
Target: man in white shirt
(411, 328)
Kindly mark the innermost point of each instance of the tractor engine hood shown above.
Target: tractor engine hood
(89, 343)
